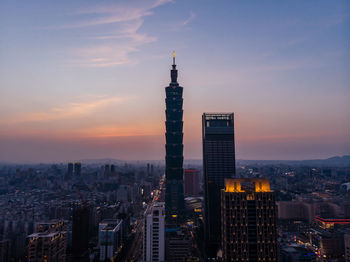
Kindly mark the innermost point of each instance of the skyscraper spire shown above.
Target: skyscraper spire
(173, 73)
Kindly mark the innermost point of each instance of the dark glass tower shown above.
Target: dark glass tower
(218, 164)
(174, 195)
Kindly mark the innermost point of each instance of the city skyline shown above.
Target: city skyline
(77, 75)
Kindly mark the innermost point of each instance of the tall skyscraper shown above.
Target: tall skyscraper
(77, 169)
(107, 171)
(174, 196)
(218, 164)
(154, 233)
(248, 218)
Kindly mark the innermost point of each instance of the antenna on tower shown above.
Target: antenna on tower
(173, 57)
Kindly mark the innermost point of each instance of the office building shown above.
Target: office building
(218, 164)
(80, 231)
(70, 170)
(332, 244)
(49, 242)
(107, 171)
(296, 210)
(174, 198)
(113, 170)
(191, 182)
(154, 232)
(110, 237)
(248, 218)
(178, 245)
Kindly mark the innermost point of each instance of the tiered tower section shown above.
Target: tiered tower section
(174, 195)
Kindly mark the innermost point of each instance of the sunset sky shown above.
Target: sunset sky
(85, 79)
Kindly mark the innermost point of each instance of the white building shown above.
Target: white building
(154, 233)
(109, 237)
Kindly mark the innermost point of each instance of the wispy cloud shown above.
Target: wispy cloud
(120, 24)
(181, 25)
(69, 110)
(190, 18)
(102, 55)
(115, 13)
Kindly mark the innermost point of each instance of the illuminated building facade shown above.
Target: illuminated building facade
(248, 220)
(48, 243)
(218, 164)
(327, 223)
(174, 195)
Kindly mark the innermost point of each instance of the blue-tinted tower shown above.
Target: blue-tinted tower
(174, 194)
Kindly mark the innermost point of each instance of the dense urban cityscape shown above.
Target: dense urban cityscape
(115, 149)
(308, 200)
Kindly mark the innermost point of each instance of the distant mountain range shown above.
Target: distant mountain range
(336, 161)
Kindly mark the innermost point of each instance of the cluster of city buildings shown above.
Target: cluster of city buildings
(83, 199)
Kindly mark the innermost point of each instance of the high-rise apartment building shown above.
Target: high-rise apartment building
(174, 198)
(70, 170)
(49, 242)
(110, 236)
(107, 171)
(248, 218)
(191, 182)
(77, 169)
(154, 233)
(218, 164)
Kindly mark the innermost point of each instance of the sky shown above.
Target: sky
(85, 79)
